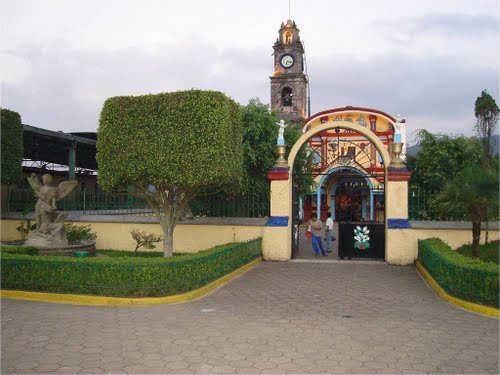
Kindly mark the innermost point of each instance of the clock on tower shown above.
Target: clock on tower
(288, 81)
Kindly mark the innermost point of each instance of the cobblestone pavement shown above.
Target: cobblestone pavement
(277, 318)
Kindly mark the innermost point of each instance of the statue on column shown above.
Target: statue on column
(281, 132)
(397, 128)
(50, 231)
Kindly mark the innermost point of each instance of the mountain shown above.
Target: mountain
(495, 146)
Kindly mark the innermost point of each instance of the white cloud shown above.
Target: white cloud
(428, 60)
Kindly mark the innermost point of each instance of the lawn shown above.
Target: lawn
(487, 253)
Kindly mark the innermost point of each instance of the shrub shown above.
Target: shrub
(79, 233)
(125, 277)
(462, 277)
(144, 239)
(19, 249)
(11, 129)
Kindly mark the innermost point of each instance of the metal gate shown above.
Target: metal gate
(362, 240)
(359, 237)
(295, 221)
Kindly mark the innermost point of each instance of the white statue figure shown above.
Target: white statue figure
(397, 128)
(49, 230)
(281, 132)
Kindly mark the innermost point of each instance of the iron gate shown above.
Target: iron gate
(362, 240)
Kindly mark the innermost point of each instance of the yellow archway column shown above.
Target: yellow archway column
(399, 239)
(277, 239)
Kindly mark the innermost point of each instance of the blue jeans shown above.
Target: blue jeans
(318, 245)
(328, 235)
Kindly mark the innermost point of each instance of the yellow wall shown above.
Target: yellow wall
(454, 237)
(276, 240)
(187, 237)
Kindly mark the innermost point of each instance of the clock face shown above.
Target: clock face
(287, 61)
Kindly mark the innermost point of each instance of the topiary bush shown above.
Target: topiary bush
(468, 279)
(12, 145)
(125, 277)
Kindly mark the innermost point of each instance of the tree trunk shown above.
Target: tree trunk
(476, 235)
(168, 241)
(487, 228)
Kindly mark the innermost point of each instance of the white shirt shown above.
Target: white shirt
(329, 224)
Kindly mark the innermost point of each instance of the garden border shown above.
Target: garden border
(469, 306)
(86, 300)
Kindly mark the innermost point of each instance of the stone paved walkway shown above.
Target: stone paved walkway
(277, 318)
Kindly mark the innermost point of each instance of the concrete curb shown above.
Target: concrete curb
(75, 299)
(469, 306)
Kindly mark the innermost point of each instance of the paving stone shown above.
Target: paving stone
(277, 318)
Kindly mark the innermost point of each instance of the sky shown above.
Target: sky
(427, 60)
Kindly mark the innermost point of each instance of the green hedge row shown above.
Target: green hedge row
(467, 279)
(125, 277)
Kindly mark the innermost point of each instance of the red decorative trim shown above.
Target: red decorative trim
(398, 176)
(329, 134)
(350, 108)
(277, 175)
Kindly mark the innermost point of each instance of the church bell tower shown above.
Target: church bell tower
(288, 81)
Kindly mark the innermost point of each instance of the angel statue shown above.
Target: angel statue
(281, 132)
(49, 230)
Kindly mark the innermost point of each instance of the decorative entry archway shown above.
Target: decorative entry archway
(278, 232)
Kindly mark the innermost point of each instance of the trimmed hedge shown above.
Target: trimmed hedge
(11, 129)
(467, 279)
(125, 277)
(18, 249)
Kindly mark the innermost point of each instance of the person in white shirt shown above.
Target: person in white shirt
(329, 232)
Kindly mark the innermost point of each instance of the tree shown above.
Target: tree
(168, 148)
(473, 193)
(440, 159)
(12, 146)
(259, 145)
(486, 112)
(260, 131)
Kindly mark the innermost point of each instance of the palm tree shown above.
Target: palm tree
(473, 194)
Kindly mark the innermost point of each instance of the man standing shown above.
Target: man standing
(329, 232)
(317, 242)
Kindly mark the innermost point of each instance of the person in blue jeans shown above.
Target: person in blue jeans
(316, 240)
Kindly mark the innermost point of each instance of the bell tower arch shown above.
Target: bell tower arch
(289, 81)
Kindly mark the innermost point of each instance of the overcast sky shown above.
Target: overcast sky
(426, 59)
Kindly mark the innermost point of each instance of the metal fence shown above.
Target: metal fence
(255, 205)
(421, 205)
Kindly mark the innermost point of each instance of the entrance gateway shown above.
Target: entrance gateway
(348, 177)
(357, 181)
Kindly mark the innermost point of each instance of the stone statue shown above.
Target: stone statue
(49, 230)
(281, 132)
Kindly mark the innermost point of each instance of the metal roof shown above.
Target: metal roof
(53, 147)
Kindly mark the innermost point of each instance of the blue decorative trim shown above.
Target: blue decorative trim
(392, 169)
(277, 221)
(398, 224)
(280, 169)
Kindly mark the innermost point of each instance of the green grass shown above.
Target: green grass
(487, 253)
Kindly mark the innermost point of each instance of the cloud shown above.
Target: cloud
(455, 23)
(428, 88)
(64, 89)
